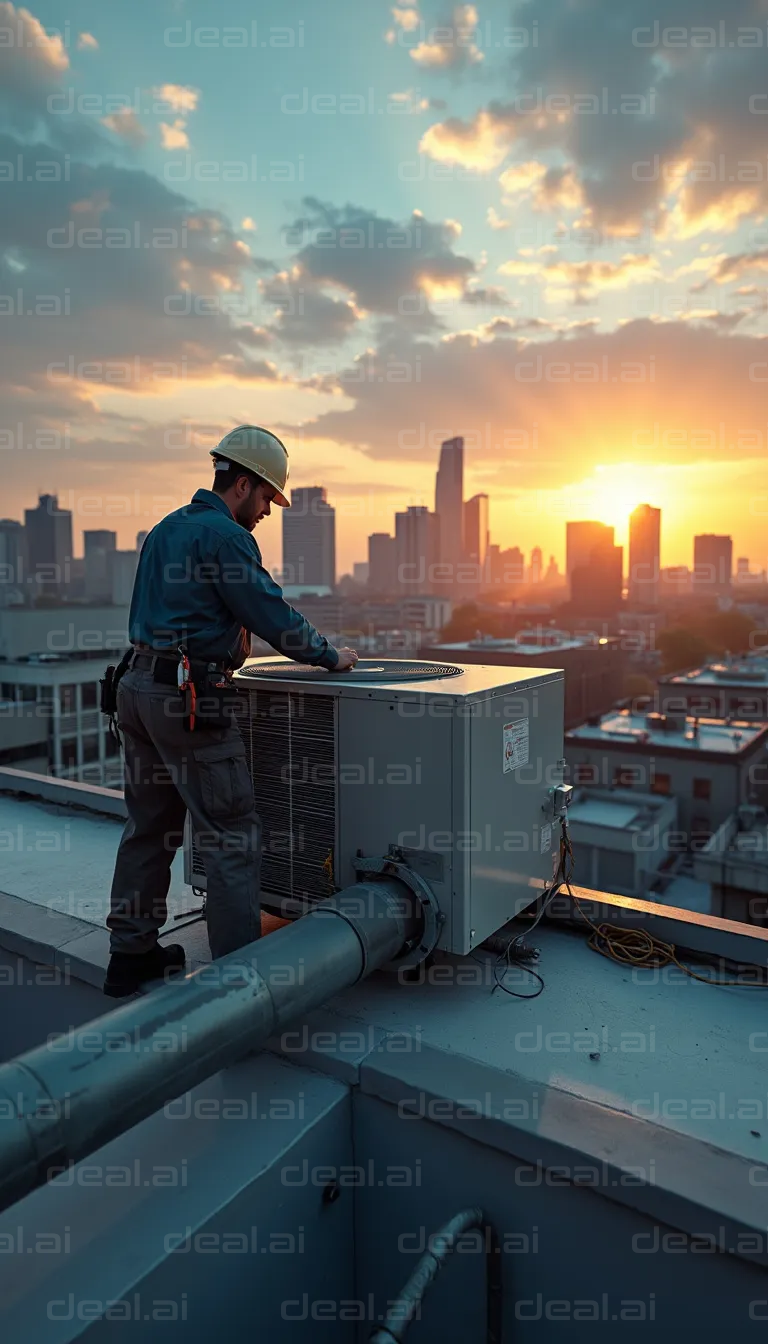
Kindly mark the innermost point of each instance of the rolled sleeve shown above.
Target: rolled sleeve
(254, 598)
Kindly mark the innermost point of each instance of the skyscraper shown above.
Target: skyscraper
(594, 566)
(476, 542)
(99, 546)
(580, 540)
(382, 563)
(536, 571)
(449, 508)
(644, 556)
(49, 545)
(13, 561)
(417, 537)
(712, 565)
(309, 540)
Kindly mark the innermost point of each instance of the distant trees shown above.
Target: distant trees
(699, 635)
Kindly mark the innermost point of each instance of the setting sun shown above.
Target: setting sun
(612, 492)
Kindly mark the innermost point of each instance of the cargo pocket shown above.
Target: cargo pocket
(226, 790)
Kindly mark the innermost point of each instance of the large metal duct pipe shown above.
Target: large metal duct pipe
(63, 1100)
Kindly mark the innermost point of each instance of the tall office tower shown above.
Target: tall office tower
(98, 547)
(13, 561)
(552, 576)
(476, 539)
(742, 568)
(309, 540)
(382, 563)
(595, 571)
(49, 545)
(417, 540)
(536, 570)
(449, 508)
(644, 556)
(580, 540)
(121, 571)
(712, 565)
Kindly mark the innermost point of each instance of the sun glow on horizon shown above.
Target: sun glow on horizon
(614, 492)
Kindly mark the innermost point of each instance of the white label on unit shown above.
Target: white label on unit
(516, 739)
(546, 839)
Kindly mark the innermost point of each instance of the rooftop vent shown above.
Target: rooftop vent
(666, 723)
(737, 671)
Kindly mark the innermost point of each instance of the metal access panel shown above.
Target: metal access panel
(453, 765)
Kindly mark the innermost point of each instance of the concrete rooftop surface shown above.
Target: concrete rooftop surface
(637, 1042)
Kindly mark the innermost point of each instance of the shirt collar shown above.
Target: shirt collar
(213, 500)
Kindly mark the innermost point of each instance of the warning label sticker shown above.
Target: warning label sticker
(546, 839)
(516, 740)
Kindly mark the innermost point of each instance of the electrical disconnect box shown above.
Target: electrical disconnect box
(458, 768)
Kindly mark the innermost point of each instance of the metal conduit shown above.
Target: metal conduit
(407, 1306)
(63, 1100)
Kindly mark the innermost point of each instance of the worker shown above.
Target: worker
(201, 590)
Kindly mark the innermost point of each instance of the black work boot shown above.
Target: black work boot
(127, 971)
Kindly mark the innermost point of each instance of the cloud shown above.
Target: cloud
(479, 145)
(492, 295)
(32, 64)
(247, 224)
(389, 267)
(585, 279)
(726, 269)
(174, 136)
(156, 296)
(496, 222)
(87, 42)
(126, 125)
(177, 97)
(305, 315)
(451, 46)
(668, 134)
(406, 18)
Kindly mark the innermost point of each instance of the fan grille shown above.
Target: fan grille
(366, 669)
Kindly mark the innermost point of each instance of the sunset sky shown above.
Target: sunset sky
(371, 228)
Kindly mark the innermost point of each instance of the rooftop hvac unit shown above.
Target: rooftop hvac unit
(456, 768)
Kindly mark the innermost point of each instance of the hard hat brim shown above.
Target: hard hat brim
(278, 497)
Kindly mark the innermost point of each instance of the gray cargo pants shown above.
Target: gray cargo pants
(167, 771)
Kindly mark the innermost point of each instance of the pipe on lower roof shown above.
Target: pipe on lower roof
(63, 1100)
(407, 1306)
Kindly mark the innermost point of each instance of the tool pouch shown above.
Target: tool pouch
(108, 693)
(218, 706)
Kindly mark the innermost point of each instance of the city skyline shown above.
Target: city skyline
(321, 544)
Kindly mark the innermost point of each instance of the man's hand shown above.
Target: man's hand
(347, 659)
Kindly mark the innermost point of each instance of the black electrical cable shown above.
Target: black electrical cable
(517, 952)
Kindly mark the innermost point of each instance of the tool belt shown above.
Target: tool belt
(207, 694)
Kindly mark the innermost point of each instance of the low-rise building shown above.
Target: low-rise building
(50, 721)
(621, 838)
(709, 765)
(719, 689)
(735, 863)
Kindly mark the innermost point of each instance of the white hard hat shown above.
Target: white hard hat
(261, 452)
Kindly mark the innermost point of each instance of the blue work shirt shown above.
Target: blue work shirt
(201, 583)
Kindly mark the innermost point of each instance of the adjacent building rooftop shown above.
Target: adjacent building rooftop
(677, 732)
